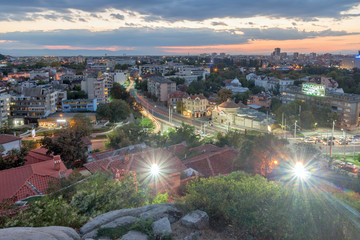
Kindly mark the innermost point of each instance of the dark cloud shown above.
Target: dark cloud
(218, 24)
(189, 9)
(118, 16)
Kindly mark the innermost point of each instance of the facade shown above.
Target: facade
(161, 87)
(95, 85)
(195, 105)
(120, 77)
(261, 99)
(74, 105)
(347, 106)
(35, 102)
(239, 115)
(175, 97)
(4, 107)
(351, 62)
(63, 119)
(9, 142)
(236, 87)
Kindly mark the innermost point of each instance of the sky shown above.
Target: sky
(177, 27)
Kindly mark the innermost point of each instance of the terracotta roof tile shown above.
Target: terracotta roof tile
(228, 104)
(6, 138)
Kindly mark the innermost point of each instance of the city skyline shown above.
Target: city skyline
(178, 28)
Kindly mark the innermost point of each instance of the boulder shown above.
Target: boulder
(196, 219)
(193, 235)
(162, 227)
(108, 217)
(134, 235)
(30, 233)
(169, 211)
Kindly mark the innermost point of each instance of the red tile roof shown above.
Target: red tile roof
(21, 182)
(38, 155)
(228, 104)
(177, 147)
(140, 162)
(214, 163)
(6, 138)
(200, 96)
(178, 94)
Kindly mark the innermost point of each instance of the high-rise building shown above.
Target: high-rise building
(296, 55)
(277, 51)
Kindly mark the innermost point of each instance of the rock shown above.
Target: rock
(169, 211)
(29, 233)
(134, 235)
(193, 235)
(162, 227)
(121, 222)
(134, 212)
(196, 219)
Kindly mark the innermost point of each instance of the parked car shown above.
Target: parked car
(349, 167)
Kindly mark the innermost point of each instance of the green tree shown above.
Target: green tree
(14, 158)
(129, 134)
(119, 92)
(223, 95)
(178, 80)
(184, 133)
(180, 106)
(82, 124)
(115, 111)
(77, 95)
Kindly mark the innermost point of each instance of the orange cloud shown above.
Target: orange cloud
(319, 44)
(67, 47)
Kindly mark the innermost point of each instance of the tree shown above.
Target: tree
(184, 133)
(14, 158)
(223, 95)
(77, 95)
(119, 92)
(178, 80)
(129, 134)
(69, 145)
(115, 111)
(180, 106)
(82, 124)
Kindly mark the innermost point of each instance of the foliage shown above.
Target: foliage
(147, 123)
(141, 85)
(29, 144)
(160, 198)
(267, 210)
(223, 95)
(178, 80)
(101, 194)
(119, 92)
(82, 124)
(47, 212)
(308, 115)
(180, 106)
(69, 145)
(13, 158)
(184, 133)
(77, 95)
(129, 134)
(115, 111)
(142, 225)
(121, 66)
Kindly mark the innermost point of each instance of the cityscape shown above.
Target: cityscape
(176, 120)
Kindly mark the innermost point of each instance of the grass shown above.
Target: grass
(142, 225)
(349, 158)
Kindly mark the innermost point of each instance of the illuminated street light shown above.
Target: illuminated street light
(300, 171)
(154, 170)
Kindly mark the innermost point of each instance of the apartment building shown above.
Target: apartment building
(195, 105)
(4, 106)
(96, 86)
(75, 105)
(346, 105)
(161, 87)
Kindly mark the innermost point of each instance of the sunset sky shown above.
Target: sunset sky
(175, 27)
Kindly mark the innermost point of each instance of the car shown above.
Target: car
(349, 167)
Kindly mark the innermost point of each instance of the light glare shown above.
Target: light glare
(154, 169)
(300, 171)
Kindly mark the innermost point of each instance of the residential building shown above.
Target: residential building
(5, 98)
(36, 102)
(9, 142)
(29, 180)
(351, 62)
(195, 105)
(39, 75)
(161, 87)
(175, 97)
(120, 77)
(235, 86)
(95, 85)
(74, 105)
(261, 99)
(346, 105)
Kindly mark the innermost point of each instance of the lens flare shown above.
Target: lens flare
(154, 170)
(300, 171)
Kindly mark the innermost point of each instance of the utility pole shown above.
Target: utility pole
(344, 142)
(282, 121)
(285, 130)
(295, 129)
(332, 136)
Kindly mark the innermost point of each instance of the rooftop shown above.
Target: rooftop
(6, 138)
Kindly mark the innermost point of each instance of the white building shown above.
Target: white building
(120, 77)
(236, 87)
(95, 85)
(4, 107)
(9, 142)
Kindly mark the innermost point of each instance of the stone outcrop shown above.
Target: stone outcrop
(30, 233)
(126, 217)
(197, 219)
(134, 235)
(162, 227)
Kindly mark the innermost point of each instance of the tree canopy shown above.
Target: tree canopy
(115, 111)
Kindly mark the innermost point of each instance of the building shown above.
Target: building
(261, 99)
(195, 105)
(36, 102)
(74, 105)
(236, 87)
(347, 106)
(175, 97)
(5, 98)
(161, 87)
(120, 77)
(30, 180)
(351, 62)
(9, 142)
(95, 85)
(234, 115)
(39, 75)
(63, 119)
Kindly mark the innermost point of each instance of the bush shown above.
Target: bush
(269, 210)
(47, 212)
